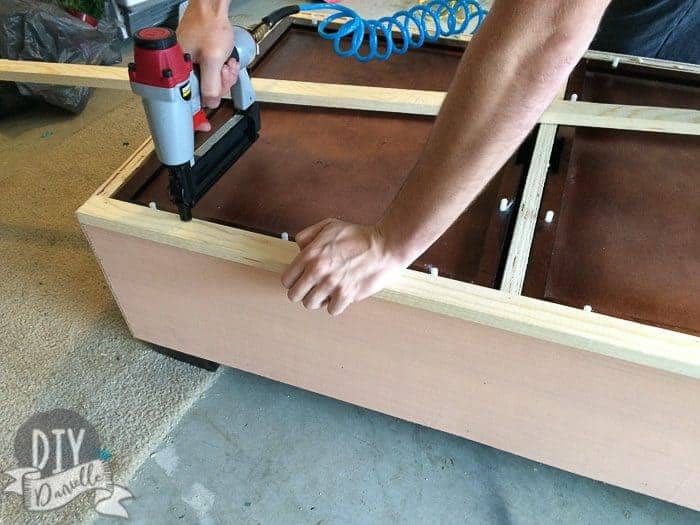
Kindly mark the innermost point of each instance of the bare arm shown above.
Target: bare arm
(514, 67)
(510, 73)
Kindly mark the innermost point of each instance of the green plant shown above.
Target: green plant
(91, 7)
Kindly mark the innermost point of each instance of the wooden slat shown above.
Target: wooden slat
(613, 116)
(342, 96)
(108, 77)
(523, 233)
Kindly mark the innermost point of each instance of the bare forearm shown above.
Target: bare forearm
(511, 72)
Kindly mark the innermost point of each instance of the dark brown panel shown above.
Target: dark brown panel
(626, 237)
(596, 81)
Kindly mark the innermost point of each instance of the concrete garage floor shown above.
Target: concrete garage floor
(253, 450)
(248, 450)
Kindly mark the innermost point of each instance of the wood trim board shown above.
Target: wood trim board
(528, 213)
(367, 98)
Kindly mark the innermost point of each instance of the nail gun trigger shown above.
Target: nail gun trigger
(199, 118)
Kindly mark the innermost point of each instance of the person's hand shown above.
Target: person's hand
(339, 263)
(205, 32)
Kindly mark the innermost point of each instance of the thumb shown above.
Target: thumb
(210, 81)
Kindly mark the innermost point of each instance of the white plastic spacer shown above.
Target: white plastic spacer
(615, 62)
(549, 216)
(434, 271)
(504, 205)
(285, 236)
(588, 308)
(153, 205)
(574, 97)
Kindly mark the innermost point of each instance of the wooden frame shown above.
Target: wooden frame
(519, 251)
(581, 373)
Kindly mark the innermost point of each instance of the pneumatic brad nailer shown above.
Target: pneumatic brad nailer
(167, 81)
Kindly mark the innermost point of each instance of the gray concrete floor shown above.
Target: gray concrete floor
(255, 451)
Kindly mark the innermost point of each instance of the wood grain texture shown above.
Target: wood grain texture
(611, 420)
(108, 77)
(287, 181)
(614, 116)
(418, 102)
(521, 242)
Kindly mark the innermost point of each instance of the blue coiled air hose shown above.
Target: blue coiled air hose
(417, 25)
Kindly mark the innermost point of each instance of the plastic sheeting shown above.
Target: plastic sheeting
(44, 31)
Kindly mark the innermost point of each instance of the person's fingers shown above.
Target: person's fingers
(229, 76)
(210, 72)
(339, 303)
(227, 79)
(294, 270)
(204, 126)
(304, 284)
(304, 237)
(319, 294)
(233, 68)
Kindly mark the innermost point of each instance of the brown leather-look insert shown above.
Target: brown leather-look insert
(626, 234)
(599, 81)
(314, 163)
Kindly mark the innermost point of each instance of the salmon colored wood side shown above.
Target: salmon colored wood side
(611, 420)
